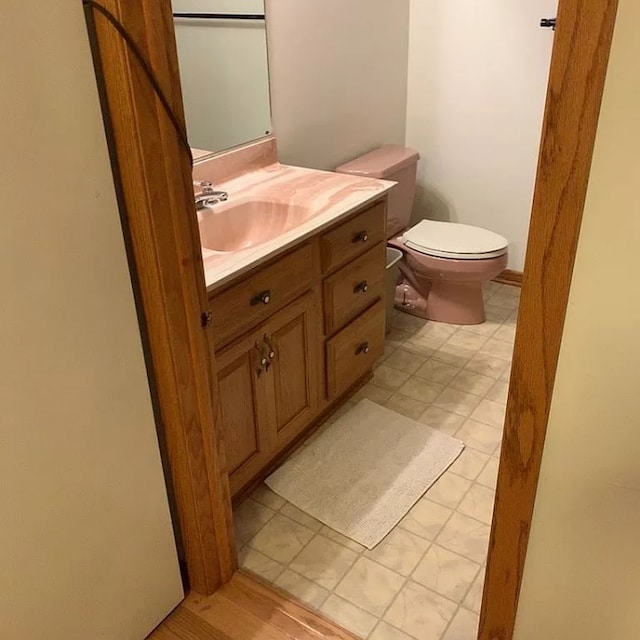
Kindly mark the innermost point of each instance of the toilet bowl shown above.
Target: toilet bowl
(444, 264)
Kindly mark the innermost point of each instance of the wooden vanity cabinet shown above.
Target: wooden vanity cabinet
(295, 335)
(269, 384)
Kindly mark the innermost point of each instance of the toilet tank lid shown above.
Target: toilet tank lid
(381, 163)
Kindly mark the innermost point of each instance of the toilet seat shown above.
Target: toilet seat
(454, 241)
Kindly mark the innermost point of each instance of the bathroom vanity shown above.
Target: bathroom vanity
(298, 318)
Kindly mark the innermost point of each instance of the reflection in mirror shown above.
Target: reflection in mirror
(222, 52)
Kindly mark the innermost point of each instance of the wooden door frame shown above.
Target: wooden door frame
(153, 179)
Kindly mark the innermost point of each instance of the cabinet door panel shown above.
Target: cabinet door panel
(290, 371)
(239, 414)
(244, 410)
(295, 336)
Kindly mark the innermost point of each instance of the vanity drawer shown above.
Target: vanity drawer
(260, 295)
(355, 350)
(354, 288)
(355, 236)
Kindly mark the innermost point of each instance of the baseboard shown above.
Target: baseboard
(513, 278)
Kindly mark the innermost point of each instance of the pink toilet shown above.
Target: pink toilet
(444, 263)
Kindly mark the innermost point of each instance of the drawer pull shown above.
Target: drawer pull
(363, 236)
(262, 298)
(363, 348)
(361, 287)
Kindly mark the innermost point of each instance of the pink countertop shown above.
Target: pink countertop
(331, 196)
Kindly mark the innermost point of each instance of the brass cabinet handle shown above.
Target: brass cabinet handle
(264, 297)
(361, 287)
(271, 352)
(363, 348)
(363, 236)
(263, 360)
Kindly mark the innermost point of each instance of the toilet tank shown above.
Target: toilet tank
(396, 163)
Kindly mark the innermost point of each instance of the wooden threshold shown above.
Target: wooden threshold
(247, 609)
(513, 278)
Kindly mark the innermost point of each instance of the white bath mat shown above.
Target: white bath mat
(365, 472)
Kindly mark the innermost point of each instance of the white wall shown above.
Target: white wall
(582, 572)
(478, 74)
(86, 543)
(338, 77)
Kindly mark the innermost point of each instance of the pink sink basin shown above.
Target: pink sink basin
(240, 224)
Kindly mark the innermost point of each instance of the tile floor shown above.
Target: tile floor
(424, 581)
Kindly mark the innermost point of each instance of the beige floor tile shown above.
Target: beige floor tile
(472, 382)
(487, 365)
(495, 313)
(370, 586)
(498, 392)
(405, 360)
(324, 561)
(374, 393)
(442, 420)
(401, 551)
(407, 322)
(489, 475)
(465, 536)
(386, 376)
(437, 330)
(464, 626)
(256, 562)
(396, 338)
(389, 350)
(470, 463)
(478, 503)
(498, 349)
(281, 539)
(268, 498)
(423, 347)
(349, 616)
(249, 518)
(421, 390)
(454, 356)
(448, 490)
(425, 519)
(437, 371)
(505, 376)
(491, 413)
(473, 599)
(420, 612)
(486, 329)
(506, 333)
(457, 401)
(298, 586)
(384, 631)
(505, 300)
(342, 540)
(301, 517)
(409, 407)
(480, 436)
(446, 573)
(467, 340)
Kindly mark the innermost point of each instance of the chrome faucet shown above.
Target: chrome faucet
(208, 195)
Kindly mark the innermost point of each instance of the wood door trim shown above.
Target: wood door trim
(153, 180)
(153, 175)
(576, 85)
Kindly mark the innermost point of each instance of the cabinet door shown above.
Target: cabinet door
(294, 338)
(244, 389)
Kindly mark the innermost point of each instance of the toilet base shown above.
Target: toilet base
(449, 302)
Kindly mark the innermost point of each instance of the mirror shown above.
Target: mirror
(222, 53)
